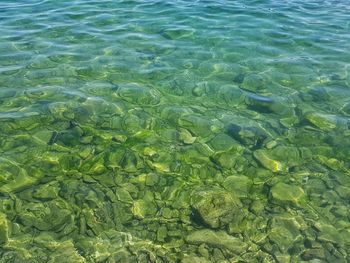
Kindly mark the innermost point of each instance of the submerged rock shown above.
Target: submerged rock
(197, 125)
(232, 95)
(281, 158)
(136, 93)
(14, 177)
(219, 239)
(143, 208)
(260, 103)
(250, 136)
(4, 229)
(238, 185)
(253, 82)
(329, 233)
(263, 157)
(190, 259)
(326, 122)
(283, 194)
(215, 207)
(285, 232)
(223, 142)
(52, 215)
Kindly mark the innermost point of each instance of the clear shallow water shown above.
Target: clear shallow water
(174, 131)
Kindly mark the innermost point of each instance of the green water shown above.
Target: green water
(174, 131)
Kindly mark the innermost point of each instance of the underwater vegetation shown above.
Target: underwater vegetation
(174, 131)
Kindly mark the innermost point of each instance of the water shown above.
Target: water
(174, 131)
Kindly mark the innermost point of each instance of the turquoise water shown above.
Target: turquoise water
(174, 131)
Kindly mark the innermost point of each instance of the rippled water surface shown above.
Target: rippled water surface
(174, 131)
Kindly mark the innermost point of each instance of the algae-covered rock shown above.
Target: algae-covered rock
(329, 233)
(239, 185)
(51, 215)
(326, 122)
(135, 93)
(46, 191)
(313, 254)
(197, 125)
(231, 94)
(223, 142)
(247, 135)
(219, 239)
(143, 208)
(4, 229)
(285, 232)
(281, 158)
(173, 113)
(282, 193)
(215, 207)
(253, 82)
(13, 177)
(192, 259)
(260, 103)
(269, 163)
(64, 252)
(186, 137)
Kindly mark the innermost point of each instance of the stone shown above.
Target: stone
(142, 209)
(231, 94)
(314, 253)
(46, 191)
(284, 232)
(282, 193)
(223, 143)
(215, 207)
(13, 177)
(281, 158)
(216, 239)
(186, 137)
(253, 82)
(239, 185)
(196, 124)
(250, 135)
(4, 229)
(135, 93)
(190, 259)
(329, 233)
(259, 103)
(266, 161)
(322, 121)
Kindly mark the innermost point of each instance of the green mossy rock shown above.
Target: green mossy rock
(4, 229)
(64, 252)
(217, 239)
(247, 135)
(223, 143)
(328, 233)
(239, 185)
(281, 158)
(197, 125)
(143, 208)
(266, 161)
(232, 95)
(52, 215)
(192, 259)
(13, 177)
(285, 232)
(135, 93)
(283, 193)
(253, 82)
(323, 121)
(215, 207)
